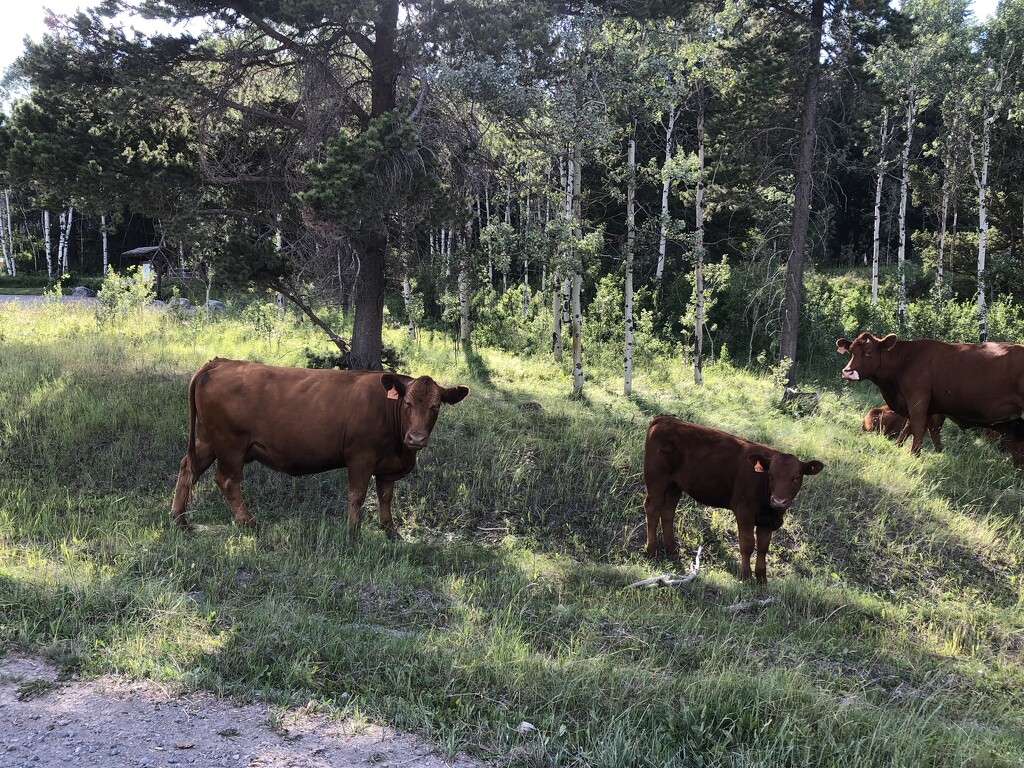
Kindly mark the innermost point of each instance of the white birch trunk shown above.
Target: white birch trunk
(879, 186)
(464, 290)
(46, 245)
(666, 184)
(7, 237)
(506, 258)
(698, 254)
(577, 278)
(627, 385)
(556, 320)
(982, 182)
(106, 253)
(901, 263)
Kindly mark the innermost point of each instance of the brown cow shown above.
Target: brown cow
(715, 468)
(886, 421)
(302, 421)
(975, 385)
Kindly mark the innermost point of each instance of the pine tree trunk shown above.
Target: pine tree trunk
(698, 255)
(804, 183)
(666, 184)
(368, 326)
(879, 187)
(901, 257)
(627, 386)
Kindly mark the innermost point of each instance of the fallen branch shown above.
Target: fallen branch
(671, 579)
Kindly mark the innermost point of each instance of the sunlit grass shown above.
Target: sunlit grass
(891, 634)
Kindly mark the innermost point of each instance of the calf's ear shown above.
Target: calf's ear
(758, 462)
(812, 467)
(453, 395)
(393, 382)
(843, 346)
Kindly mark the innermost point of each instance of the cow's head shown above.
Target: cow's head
(785, 478)
(419, 402)
(865, 355)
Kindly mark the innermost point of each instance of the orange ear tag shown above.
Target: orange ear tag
(392, 394)
(758, 467)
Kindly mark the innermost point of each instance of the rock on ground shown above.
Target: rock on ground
(110, 722)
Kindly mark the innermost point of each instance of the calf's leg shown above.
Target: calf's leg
(746, 537)
(385, 493)
(764, 538)
(660, 507)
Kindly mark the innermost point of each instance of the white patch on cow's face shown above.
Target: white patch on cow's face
(850, 375)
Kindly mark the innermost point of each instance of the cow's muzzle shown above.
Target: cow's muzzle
(781, 504)
(416, 442)
(850, 375)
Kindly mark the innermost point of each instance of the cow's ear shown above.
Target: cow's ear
(453, 395)
(843, 346)
(812, 467)
(391, 382)
(758, 462)
(888, 342)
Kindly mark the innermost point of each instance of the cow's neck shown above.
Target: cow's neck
(393, 424)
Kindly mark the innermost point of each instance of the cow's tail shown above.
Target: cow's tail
(190, 453)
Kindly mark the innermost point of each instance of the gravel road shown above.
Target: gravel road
(112, 723)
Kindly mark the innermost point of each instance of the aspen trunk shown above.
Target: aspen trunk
(46, 245)
(666, 184)
(901, 256)
(627, 386)
(577, 278)
(106, 254)
(464, 288)
(982, 180)
(698, 255)
(7, 237)
(879, 186)
(556, 320)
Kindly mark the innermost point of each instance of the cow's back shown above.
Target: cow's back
(294, 420)
(973, 383)
(705, 463)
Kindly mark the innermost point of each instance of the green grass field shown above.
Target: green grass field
(893, 632)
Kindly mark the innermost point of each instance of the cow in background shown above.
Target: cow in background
(889, 423)
(715, 468)
(974, 385)
(301, 422)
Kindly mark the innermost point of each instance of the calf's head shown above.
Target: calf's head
(866, 353)
(785, 478)
(419, 403)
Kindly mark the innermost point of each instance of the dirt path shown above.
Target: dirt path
(110, 722)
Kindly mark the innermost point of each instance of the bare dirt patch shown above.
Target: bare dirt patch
(47, 723)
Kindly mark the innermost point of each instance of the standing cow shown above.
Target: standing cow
(887, 422)
(715, 468)
(974, 385)
(301, 422)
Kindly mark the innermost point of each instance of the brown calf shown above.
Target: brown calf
(715, 468)
(886, 421)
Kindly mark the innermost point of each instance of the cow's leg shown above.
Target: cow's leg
(746, 533)
(918, 424)
(936, 435)
(358, 483)
(188, 475)
(660, 507)
(385, 493)
(904, 433)
(764, 538)
(229, 480)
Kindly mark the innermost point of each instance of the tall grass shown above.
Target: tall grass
(893, 634)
